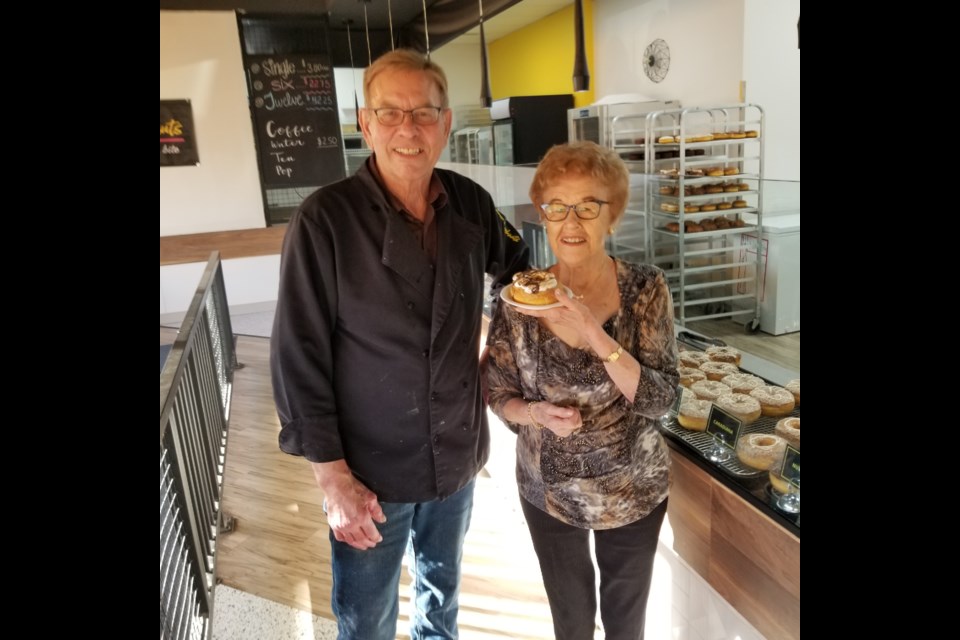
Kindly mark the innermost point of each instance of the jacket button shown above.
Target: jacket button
(433, 396)
(462, 295)
(425, 353)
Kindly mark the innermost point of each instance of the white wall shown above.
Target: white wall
(771, 70)
(200, 61)
(714, 44)
(251, 285)
(461, 63)
(705, 39)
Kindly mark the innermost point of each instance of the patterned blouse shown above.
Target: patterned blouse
(615, 469)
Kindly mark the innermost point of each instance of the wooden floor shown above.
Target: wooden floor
(279, 549)
(783, 349)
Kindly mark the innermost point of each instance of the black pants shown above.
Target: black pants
(625, 557)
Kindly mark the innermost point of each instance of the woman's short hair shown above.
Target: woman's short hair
(584, 159)
(406, 60)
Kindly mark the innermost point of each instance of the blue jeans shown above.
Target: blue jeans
(365, 583)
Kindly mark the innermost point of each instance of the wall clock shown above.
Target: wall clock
(656, 60)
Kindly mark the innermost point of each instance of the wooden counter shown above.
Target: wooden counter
(242, 243)
(751, 560)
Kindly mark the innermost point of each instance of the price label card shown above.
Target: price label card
(790, 471)
(723, 426)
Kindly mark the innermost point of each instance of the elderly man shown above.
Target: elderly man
(374, 353)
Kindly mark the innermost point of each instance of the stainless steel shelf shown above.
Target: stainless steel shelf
(678, 252)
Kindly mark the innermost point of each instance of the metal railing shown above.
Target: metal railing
(195, 387)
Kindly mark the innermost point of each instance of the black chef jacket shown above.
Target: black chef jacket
(369, 362)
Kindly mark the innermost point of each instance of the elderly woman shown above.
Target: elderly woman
(583, 384)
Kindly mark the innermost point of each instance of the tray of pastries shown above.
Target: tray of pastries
(769, 414)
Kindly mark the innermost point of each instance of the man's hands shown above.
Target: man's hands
(352, 509)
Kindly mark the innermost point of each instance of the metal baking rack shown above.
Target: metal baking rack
(703, 442)
(712, 274)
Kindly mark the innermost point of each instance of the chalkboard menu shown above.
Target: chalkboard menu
(295, 115)
(178, 139)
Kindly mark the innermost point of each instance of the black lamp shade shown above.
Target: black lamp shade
(486, 96)
(581, 74)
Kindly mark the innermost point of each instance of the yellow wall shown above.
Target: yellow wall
(538, 59)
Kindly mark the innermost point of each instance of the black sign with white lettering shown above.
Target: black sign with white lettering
(723, 425)
(790, 471)
(178, 138)
(295, 115)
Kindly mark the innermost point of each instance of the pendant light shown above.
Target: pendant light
(353, 73)
(486, 97)
(426, 30)
(390, 20)
(581, 75)
(366, 27)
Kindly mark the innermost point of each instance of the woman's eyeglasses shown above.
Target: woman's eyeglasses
(558, 211)
(421, 115)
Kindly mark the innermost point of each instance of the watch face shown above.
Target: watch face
(656, 60)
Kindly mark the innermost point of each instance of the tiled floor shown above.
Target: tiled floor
(241, 616)
(682, 605)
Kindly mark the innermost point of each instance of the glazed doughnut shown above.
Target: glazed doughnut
(673, 226)
(711, 390)
(669, 207)
(694, 173)
(724, 354)
(714, 172)
(761, 450)
(741, 406)
(689, 375)
(666, 140)
(739, 204)
(693, 414)
(724, 205)
(717, 370)
(731, 171)
(737, 135)
(534, 286)
(690, 208)
(789, 430)
(794, 387)
(731, 188)
(720, 135)
(693, 358)
(743, 186)
(714, 188)
(774, 401)
(743, 382)
(752, 134)
(738, 223)
(666, 191)
(708, 207)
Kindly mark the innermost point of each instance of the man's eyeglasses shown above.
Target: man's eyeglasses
(421, 115)
(558, 211)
